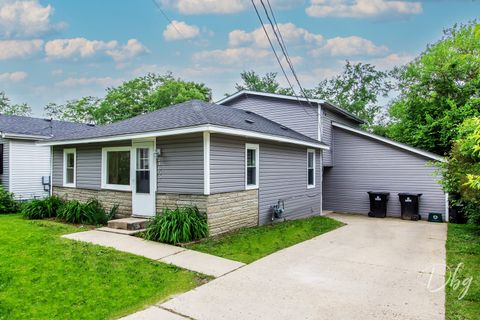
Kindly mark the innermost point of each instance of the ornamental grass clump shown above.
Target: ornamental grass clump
(91, 212)
(42, 208)
(177, 226)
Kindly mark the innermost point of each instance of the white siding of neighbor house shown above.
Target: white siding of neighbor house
(298, 116)
(282, 175)
(364, 164)
(29, 163)
(4, 178)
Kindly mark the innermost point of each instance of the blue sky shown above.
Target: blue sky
(51, 51)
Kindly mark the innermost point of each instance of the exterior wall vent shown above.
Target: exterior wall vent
(249, 121)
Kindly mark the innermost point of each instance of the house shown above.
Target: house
(232, 164)
(24, 165)
(357, 161)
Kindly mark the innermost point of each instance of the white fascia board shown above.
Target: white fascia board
(195, 129)
(390, 142)
(20, 136)
(266, 94)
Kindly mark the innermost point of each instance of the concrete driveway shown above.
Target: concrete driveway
(368, 269)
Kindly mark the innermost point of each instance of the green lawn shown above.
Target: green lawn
(463, 246)
(248, 245)
(43, 276)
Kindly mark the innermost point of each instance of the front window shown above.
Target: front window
(69, 172)
(251, 161)
(116, 168)
(310, 168)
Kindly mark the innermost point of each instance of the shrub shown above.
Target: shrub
(179, 225)
(7, 203)
(42, 208)
(91, 212)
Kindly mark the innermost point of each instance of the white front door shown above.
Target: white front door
(143, 179)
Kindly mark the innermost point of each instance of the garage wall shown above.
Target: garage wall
(365, 164)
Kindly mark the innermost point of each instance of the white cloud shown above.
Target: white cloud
(25, 18)
(290, 32)
(130, 50)
(87, 81)
(349, 46)
(13, 76)
(232, 56)
(207, 6)
(84, 48)
(362, 8)
(10, 49)
(179, 30)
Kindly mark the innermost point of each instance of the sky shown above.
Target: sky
(53, 50)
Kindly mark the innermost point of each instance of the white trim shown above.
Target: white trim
(51, 172)
(23, 136)
(206, 162)
(321, 181)
(311, 186)
(194, 129)
(256, 147)
(447, 207)
(320, 120)
(74, 152)
(292, 98)
(391, 142)
(9, 166)
(104, 184)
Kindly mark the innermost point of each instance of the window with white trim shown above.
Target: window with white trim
(251, 166)
(69, 167)
(116, 168)
(310, 168)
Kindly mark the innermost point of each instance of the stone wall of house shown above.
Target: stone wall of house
(225, 211)
(108, 198)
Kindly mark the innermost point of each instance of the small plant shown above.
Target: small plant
(8, 204)
(42, 208)
(176, 226)
(91, 212)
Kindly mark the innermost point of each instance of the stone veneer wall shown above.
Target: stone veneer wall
(225, 211)
(108, 198)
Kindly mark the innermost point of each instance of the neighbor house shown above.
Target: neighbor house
(24, 165)
(233, 164)
(357, 161)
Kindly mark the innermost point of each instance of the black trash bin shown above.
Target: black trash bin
(456, 212)
(409, 205)
(378, 204)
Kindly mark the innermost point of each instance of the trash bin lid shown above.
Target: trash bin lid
(410, 194)
(381, 192)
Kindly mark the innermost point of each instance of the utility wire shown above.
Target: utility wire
(280, 41)
(273, 49)
(167, 18)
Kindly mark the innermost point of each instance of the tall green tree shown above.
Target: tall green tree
(134, 97)
(357, 89)
(267, 83)
(438, 91)
(7, 108)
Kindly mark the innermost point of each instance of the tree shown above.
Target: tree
(461, 171)
(438, 91)
(7, 108)
(357, 90)
(268, 83)
(131, 98)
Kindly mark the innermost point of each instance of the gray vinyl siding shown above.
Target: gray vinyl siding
(282, 170)
(180, 167)
(363, 164)
(89, 164)
(4, 178)
(298, 116)
(327, 118)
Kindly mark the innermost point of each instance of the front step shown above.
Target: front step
(120, 231)
(128, 223)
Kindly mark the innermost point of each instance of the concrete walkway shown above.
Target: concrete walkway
(368, 269)
(181, 257)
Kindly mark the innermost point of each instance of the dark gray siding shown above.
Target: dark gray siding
(298, 116)
(89, 163)
(180, 167)
(363, 164)
(4, 178)
(283, 175)
(327, 118)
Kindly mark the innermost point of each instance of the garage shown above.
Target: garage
(365, 162)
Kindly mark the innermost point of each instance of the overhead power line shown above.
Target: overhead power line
(167, 18)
